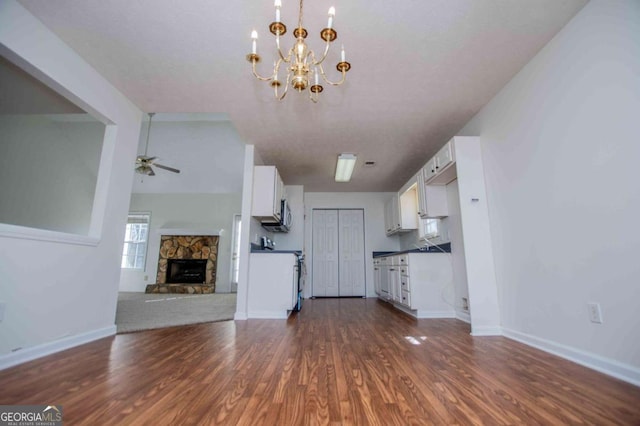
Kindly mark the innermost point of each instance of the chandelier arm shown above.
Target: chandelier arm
(311, 96)
(286, 87)
(324, 54)
(279, 50)
(255, 73)
(324, 77)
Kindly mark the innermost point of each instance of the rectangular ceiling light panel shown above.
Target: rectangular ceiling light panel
(344, 168)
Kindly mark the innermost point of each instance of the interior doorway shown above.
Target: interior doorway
(338, 257)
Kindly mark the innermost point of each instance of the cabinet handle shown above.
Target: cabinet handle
(391, 269)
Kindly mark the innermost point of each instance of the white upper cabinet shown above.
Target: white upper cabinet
(444, 157)
(392, 215)
(429, 169)
(400, 212)
(436, 204)
(441, 170)
(409, 209)
(268, 192)
(420, 190)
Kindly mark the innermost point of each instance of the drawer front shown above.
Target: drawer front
(406, 299)
(404, 284)
(404, 270)
(403, 259)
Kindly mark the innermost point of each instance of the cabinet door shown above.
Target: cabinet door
(395, 212)
(444, 157)
(394, 283)
(376, 277)
(436, 201)
(422, 204)
(430, 169)
(278, 194)
(391, 215)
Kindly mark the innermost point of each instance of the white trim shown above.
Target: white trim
(626, 372)
(421, 313)
(488, 330)
(463, 316)
(185, 231)
(38, 351)
(278, 314)
(240, 316)
(25, 233)
(435, 314)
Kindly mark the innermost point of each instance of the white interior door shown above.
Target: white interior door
(325, 253)
(338, 253)
(351, 252)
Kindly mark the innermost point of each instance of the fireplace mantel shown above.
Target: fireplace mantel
(187, 231)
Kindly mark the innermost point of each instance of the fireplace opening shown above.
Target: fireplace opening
(188, 271)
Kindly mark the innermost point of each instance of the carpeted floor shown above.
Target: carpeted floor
(140, 311)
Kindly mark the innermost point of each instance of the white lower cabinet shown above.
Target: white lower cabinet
(273, 287)
(419, 283)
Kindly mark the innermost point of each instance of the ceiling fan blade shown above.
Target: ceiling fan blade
(150, 172)
(171, 169)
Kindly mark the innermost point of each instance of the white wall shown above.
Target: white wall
(188, 214)
(375, 238)
(49, 169)
(58, 293)
(561, 147)
(250, 227)
(454, 221)
(205, 148)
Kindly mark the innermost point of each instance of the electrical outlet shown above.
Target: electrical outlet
(3, 307)
(595, 314)
(465, 304)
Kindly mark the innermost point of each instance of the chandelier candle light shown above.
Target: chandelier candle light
(300, 63)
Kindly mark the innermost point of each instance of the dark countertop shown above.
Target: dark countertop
(256, 249)
(445, 246)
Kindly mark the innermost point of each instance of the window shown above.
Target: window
(135, 241)
(429, 228)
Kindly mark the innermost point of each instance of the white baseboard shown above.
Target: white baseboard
(240, 316)
(268, 314)
(486, 330)
(613, 368)
(28, 354)
(422, 314)
(463, 316)
(435, 314)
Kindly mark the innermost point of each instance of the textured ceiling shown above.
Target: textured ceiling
(420, 70)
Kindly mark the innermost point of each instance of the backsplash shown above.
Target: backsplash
(410, 240)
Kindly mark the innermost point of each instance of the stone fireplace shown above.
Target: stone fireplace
(186, 264)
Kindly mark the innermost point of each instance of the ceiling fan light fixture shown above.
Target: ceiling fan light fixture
(144, 162)
(345, 166)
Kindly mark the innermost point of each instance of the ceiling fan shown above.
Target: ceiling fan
(144, 162)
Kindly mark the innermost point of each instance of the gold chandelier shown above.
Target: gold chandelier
(300, 63)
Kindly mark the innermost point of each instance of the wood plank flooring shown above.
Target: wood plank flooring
(339, 361)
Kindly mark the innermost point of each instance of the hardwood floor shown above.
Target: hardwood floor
(339, 361)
